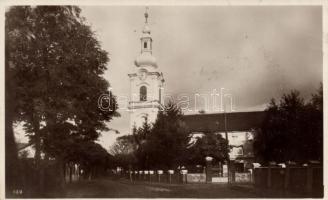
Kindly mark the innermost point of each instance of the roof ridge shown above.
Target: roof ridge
(218, 113)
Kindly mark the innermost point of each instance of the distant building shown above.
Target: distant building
(240, 128)
(25, 150)
(146, 83)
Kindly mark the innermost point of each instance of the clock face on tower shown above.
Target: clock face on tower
(142, 75)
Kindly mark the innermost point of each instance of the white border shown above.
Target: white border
(324, 3)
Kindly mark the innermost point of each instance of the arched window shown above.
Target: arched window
(143, 93)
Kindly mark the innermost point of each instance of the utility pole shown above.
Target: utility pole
(227, 138)
(223, 104)
(225, 124)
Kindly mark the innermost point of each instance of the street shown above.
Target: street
(106, 188)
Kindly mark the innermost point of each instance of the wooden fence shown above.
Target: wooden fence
(307, 180)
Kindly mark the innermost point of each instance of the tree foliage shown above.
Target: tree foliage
(211, 144)
(141, 136)
(169, 139)
(92, 157)
(164, 144)
(55, 68)
(293, 130)
(161, 145)
(124, 150)
(57, 65)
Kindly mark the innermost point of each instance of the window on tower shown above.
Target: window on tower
(143, 93)
(145, 45)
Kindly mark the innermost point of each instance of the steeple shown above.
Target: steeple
(146, 81)
(146, 58)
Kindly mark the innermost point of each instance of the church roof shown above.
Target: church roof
(236, 121)
(145, 59)
(22, 145)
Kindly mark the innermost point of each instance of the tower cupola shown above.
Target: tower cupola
(146, 58)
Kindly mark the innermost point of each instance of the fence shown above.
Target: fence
(296, 179)
(183, 177)
(164, 177)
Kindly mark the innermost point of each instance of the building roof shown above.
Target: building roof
(236, 121)
(21, 145)
(145, 59)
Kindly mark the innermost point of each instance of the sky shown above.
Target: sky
(254, 52)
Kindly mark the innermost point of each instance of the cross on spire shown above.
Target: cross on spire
(146, 15)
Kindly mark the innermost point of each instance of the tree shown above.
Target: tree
(141, 137)
(55, 66)
(93, 158)
(168, 140)
(124, 151)
(123, 145)
(314, 119)
(292, 130)
(211, 144)
(317, 99)
(11, 154)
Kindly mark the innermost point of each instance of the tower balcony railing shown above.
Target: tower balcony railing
(144, 104)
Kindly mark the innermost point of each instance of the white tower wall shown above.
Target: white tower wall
(145, 101)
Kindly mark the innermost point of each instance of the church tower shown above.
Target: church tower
(146, 83)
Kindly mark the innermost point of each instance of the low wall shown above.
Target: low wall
(220, 179)
(189, 178)
(243, 177)
(196, 178)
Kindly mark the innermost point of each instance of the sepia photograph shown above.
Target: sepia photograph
(163, 101)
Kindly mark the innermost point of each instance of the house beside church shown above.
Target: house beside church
(240, 128)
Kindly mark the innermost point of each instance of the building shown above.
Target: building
(240, 127)
(146, 83)
(146, 99)
(25, 150)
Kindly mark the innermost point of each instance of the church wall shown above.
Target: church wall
(152, 85)
(137, 116)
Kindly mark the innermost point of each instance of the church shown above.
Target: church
(146, 99)
(146, 83)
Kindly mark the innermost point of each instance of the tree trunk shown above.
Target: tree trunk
(37, 140)
(11, 159)
(37, 156)
(70, 172)
(61, 166)
(11, 154)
